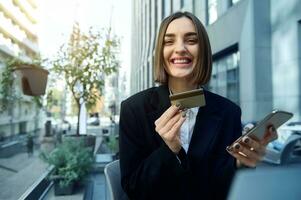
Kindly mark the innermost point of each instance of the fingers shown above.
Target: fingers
(166, 116)
(172, 133)
(170, 123)
(270, 135)
(244, 160)
(176, 126)
(253, 145)
(247, 152)
(169, 129)
(244, 156)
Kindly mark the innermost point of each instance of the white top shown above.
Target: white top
(186, 129)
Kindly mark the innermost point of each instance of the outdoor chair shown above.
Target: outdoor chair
(114, 190)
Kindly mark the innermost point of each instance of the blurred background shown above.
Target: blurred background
(256, 47)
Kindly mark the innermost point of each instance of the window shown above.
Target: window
(167, 8)
(225, 76)
(234, 1)
(176, 5)
(188, 5)
(212, 11)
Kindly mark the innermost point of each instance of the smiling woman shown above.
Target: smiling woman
(171, 152)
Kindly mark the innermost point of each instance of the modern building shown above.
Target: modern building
(255, 44)
(18, 39)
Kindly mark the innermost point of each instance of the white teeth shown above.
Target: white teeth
(181, 61)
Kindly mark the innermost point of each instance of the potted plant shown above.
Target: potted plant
(33, 76)
(71, 161)
(33, 79)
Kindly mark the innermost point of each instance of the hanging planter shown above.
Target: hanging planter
(33, 79)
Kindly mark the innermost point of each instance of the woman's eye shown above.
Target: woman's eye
(168, 42)
(192, 41)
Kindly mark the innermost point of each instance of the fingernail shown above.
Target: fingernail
(178, 104)
(246, 140)
(237, 146)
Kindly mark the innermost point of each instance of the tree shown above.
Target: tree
(84, 62)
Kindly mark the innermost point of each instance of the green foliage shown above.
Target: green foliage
(85, 61)
(112, 143)
(7, 90)
(71, 160)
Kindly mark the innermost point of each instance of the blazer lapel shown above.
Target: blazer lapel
(205, 129)
(159, 102)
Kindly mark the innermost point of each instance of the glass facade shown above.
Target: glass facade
(167, 9)
(176, 5)
(235, 1)
(225, 77)
(212, 11)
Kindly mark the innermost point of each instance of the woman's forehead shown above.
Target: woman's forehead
(180, 25)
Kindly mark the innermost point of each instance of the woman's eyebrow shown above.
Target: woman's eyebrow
(191, 34)
(169, 35)
(186, 34)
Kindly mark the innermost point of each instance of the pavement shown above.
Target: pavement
(18, 173)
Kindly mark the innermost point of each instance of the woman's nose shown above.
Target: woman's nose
(180, 47)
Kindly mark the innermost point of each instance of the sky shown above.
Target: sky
(56, 18)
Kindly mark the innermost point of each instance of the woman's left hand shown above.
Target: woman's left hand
(250, 151)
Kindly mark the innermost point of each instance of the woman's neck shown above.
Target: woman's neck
(180, 85)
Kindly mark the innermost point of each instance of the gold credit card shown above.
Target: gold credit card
(189, 99)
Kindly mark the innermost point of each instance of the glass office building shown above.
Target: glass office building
(255, 44)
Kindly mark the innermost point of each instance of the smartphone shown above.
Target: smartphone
(276, 118)
(189, 99)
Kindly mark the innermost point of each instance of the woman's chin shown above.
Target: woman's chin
(181, 75)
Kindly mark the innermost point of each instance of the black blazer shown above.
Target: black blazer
(150, 170)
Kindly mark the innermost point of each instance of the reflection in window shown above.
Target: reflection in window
(182, 3)
(212, 11)
(167, 8)
(225, 77)
(235, 1)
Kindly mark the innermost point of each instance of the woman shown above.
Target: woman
(168, 153)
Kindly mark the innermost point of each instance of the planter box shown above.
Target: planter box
(58, 190)
(88, 140)
(33, 79)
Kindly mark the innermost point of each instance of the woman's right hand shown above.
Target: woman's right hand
(168, 127)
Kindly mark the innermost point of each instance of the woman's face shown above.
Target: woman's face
(181, 48)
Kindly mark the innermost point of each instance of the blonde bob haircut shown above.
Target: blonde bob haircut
(202, 72)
